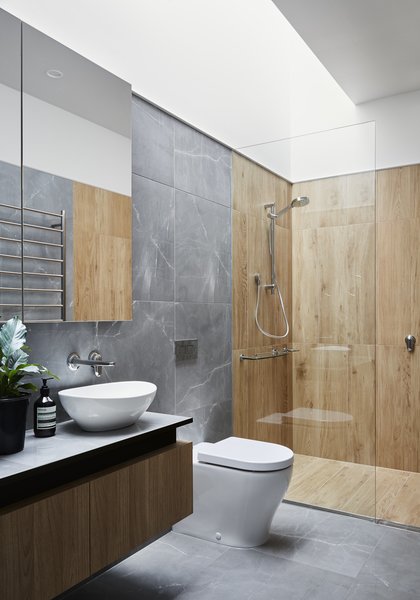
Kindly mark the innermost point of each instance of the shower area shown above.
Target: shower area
(325, 316)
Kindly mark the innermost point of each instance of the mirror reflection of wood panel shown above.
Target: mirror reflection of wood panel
(102, 254)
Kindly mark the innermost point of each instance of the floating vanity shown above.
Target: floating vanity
(76, 503)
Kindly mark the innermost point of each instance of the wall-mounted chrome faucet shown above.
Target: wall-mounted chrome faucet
(410, 342)
(94, 360)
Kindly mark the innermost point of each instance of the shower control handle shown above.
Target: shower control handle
(410, 342)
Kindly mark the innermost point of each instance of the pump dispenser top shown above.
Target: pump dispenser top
(45, 390)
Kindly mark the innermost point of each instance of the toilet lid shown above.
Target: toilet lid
(248, 455)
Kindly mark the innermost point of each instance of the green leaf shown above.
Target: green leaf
(31, 369)
(19, 357)
(13, 361)
(28, 386)
(12, 337)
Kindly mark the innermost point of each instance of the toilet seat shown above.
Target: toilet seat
(247, 455)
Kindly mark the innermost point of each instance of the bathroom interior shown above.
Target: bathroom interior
(254, 256)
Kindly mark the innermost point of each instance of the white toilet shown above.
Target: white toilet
(238, 485)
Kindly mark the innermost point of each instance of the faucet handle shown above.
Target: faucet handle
(94, 360)
(410, 342)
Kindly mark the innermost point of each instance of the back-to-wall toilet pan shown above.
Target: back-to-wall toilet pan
(238, 485)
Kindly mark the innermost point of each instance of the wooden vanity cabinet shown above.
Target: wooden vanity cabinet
(52, 542)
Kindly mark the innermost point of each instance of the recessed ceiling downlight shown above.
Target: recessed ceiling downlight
(55, 73)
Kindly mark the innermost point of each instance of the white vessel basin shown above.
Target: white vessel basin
(108, 405)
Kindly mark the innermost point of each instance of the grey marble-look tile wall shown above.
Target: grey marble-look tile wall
(181, 281)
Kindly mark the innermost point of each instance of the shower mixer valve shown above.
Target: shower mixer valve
(410, 342)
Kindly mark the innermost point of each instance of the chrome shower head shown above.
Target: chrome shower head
(299, 201)
(295, 203)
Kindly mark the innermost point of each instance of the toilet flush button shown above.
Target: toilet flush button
(218, 536)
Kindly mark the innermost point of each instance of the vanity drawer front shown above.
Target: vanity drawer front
(135, 503)
(44, 546)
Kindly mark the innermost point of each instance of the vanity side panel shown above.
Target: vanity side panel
(170, 487)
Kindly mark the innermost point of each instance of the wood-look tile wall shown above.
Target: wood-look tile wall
(356, 290)
(398, 314)
(261, 389)
(333, 266)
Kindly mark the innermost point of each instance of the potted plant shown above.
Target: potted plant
(14, 390)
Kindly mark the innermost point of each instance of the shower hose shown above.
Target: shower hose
(270, 335)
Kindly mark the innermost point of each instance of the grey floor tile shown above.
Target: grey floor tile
(237, 574)
(378, 592)
(292, 581)
(316, 559)
(309, 523)
(345, 559)
(395, 562)
(328, 541)
(168, 568)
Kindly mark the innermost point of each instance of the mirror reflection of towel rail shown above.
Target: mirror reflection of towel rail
(275, 353)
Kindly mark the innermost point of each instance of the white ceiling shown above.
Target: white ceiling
(370, 47)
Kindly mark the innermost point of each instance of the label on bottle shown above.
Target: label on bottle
(46, 417)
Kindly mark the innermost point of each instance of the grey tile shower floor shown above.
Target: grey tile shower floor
(310, 555)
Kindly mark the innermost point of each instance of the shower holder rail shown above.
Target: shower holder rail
(275, 353)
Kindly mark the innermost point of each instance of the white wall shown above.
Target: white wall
(397, 128)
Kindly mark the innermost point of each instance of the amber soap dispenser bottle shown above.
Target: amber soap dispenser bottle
(45, 413)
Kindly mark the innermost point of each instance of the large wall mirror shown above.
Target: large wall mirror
(10, 168)
(73, 226)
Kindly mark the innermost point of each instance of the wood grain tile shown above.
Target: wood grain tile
(405, 508)
(398, 191)
(333, 274)
(340, 381)
(388, 486)
(263, 388)
(387, 494)
(254, 186)
(240, 279)
(398, 408)
(344, 200)
(398, 281)
(261, 396)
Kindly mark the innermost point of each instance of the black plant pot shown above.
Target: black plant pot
(13, 424)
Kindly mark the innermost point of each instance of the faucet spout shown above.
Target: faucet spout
(94, 360)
